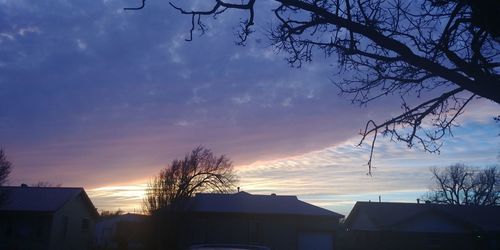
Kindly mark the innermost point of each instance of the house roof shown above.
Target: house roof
(243, 202)
(387, 215)
(40, 199)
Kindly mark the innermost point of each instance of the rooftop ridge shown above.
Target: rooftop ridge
(246, 193)
(244, 202)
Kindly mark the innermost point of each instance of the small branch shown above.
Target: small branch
(372, 145)
(412, 117)
(215, 11)
(137, 8)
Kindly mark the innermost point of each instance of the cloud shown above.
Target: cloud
(26, 30)
(401, 174)
(241, 99)
(335, 177)
(92, 95)
(81, 45)
(125, 197)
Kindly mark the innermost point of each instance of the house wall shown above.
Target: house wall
(25, 230)
(122, 232)
(427, 230)
(133, 235)
(373, 240)
(279, 232)
(72, 226)
(432, 223)
(104, 231)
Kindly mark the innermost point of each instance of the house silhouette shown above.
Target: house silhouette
(279, 222)
(385, 225)
(50, 218)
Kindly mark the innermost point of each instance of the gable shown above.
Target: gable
(362, 222)
(78, 204)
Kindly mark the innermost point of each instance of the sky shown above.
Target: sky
(98, 97)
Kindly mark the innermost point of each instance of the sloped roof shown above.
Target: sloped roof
(243, 202)
(386, 215)
(39, 199)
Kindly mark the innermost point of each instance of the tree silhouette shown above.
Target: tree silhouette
(45, 184)
(448, 50)
(5, 168)
(199, 171)
(109, 213)
(462, 185)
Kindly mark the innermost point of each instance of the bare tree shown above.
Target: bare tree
(199, 171)
(462, 185)
(5, 168)
(109, 213)
(45, 184)
(444, 51)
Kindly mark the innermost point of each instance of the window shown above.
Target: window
(255, 231)
(9, 228)
(433, 241)
(39, 230)
(85, 224)
(201, 229)
(65, 226)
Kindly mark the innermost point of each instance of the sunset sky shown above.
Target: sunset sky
(96, 97)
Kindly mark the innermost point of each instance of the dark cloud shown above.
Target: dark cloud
(91, 94)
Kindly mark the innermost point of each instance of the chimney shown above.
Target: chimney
(418, 201)
(379, 198)
(238, 189)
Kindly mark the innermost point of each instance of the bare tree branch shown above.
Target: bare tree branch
(463, 185)
(403, 48)
(198, 171)
(137, 8)
(5, 168)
